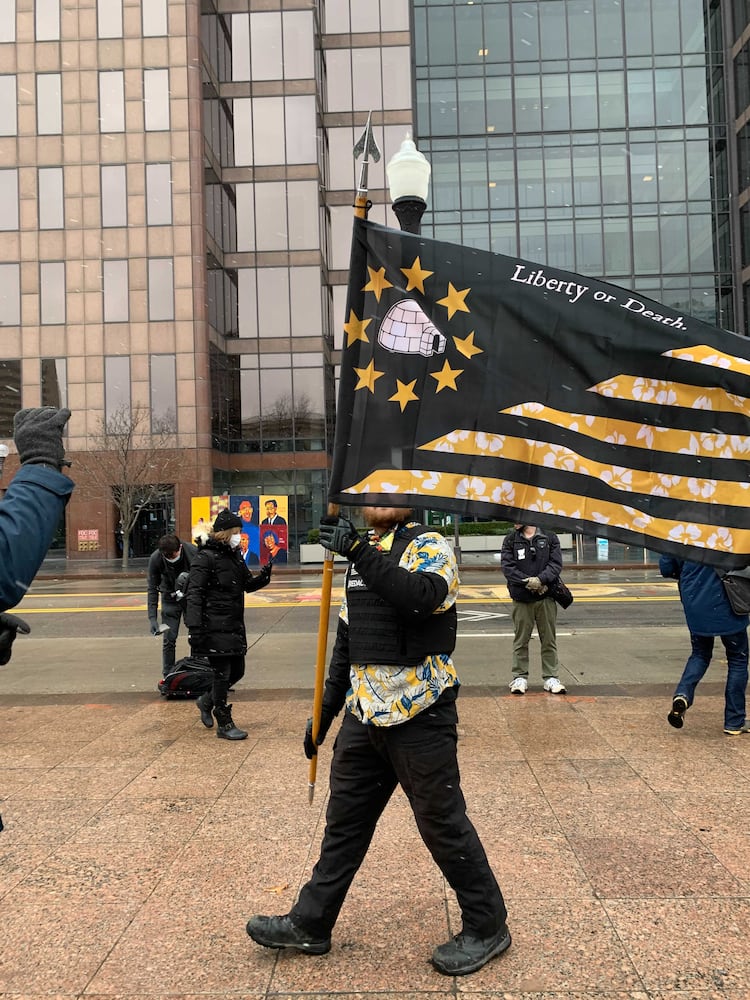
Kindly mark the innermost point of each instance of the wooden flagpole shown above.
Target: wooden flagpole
(369, 147)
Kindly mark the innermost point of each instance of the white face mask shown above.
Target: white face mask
(179, 553)
(234, 541)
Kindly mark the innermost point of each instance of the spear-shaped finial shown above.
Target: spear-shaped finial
(366, 145)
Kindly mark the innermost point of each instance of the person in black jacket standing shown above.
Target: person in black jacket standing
(171, 558)
(215, 617)
(392, 668)
(531, 560)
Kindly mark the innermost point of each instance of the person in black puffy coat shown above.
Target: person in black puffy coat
(215, 617)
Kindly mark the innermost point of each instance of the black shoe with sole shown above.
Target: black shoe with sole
(466, 953)
(679, 707)
(225, 727)
(205, 703)
(282, 932)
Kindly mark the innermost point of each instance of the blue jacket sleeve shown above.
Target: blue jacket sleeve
(29, 515)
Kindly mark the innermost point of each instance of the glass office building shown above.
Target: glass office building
(592, 135)
(176, 183)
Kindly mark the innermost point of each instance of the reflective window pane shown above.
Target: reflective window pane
(581, 29)
(115, 291)
(154, 17)
(54, 382)
(163, 393)
(116, 392)
(525, 18)
(156, 100)
(52, 293)
(47, 20)
(114, 197)
(111, 101)
(10, 395)
(51, 197)
(265, 46)
(49, 103)
(7, 20)
(8, 200)
(158, 194)
(8, 101)
(10, 294)
(160, 289)
(109, 18)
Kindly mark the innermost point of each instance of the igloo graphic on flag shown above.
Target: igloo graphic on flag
(407, 330)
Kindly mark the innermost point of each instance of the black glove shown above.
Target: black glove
(311, 749)
(10, 626)
(338, 534)
(265, 574)
(38, 434)
(154, 626)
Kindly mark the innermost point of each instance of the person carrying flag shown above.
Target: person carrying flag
(391, 667)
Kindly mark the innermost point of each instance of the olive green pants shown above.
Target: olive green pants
(543, 614)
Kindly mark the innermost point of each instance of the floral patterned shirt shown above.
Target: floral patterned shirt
(386, 695)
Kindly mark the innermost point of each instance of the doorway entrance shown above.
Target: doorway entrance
(155, 520)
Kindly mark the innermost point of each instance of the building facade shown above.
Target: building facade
(176, 187)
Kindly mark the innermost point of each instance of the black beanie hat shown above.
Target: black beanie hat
(226, 520)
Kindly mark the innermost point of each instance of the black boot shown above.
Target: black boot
(205, 703)
(225, 727)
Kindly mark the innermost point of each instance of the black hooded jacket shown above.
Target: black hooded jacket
(215, 603)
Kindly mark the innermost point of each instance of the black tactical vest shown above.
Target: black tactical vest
(380, 633)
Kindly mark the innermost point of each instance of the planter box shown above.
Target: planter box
(494, 543)
(474, 545)
(315, 554)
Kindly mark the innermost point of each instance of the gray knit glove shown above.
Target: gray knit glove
(38, 434)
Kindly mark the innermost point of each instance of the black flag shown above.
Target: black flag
(482, 384)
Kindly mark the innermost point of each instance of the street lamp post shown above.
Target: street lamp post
(408, 175)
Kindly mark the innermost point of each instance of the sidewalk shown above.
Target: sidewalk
(136, 845)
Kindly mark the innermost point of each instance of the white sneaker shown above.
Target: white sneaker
(518, 685)
(554, 686)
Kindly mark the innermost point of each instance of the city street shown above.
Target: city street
(92, 635)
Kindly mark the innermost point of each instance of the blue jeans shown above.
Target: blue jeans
(736, 646)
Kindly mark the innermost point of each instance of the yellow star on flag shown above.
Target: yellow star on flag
(466, 346)
(367, 377)
(377, 283)
(404, 394)
(355, 328)
(415, 276)
(454, 300)
(446, 377)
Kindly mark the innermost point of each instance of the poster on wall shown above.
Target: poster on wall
(264, 533)
(274, 532)
(203, 511)
(245, 506)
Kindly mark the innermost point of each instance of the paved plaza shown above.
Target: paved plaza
(136, 844)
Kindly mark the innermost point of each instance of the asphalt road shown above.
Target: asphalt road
(625, 627)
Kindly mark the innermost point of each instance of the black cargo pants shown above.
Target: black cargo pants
(368, 762)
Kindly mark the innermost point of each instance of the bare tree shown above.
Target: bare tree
(134, 464)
